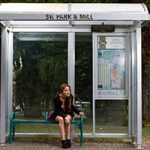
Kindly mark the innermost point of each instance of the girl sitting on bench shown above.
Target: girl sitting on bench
(64, 112)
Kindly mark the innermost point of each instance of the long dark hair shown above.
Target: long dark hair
(68, 100)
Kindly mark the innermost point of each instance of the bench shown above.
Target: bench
(14, 122)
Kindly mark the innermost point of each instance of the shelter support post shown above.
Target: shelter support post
(139, 88)
(3, 93)
(71, 60)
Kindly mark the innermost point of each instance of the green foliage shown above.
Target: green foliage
(112, 112)
(146, 74)
(83, 67)
(77, 1)
(60, 1)
(39, 67)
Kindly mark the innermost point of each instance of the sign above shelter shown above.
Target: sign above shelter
(75, 12)
(46, 15)
(66, 17)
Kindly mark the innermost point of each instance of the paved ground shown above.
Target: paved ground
(24, 145)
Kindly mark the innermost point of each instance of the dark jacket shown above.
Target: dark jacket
(58, 110)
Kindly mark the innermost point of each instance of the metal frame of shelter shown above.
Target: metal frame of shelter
(33, 17)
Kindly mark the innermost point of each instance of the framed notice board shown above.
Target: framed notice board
(110, 65)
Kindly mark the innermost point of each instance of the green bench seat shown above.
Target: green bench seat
(14, 122)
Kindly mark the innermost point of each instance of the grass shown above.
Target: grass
(87, 129)
(37, 128)
(76, 140)
(54, 129)
(146, 133)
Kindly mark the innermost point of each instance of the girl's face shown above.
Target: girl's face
(66, 92)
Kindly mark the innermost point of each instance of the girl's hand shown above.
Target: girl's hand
(81, 113)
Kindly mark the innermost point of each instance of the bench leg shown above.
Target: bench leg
(11, 134)
(81, 137)
(81, 132)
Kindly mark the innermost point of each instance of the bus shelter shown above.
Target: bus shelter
(115, 31)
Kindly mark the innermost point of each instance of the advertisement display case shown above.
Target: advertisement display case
(110, 61)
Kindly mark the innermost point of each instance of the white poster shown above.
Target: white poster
(111, 42)
(111, 65)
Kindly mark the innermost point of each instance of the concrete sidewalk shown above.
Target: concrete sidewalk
(75, 146)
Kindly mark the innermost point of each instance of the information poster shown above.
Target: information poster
(111, 66)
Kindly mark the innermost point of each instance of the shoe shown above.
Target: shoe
(64, 144)
(68, 143)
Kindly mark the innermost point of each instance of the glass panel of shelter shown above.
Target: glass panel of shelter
(39, 66)
(83, 76)
(110, 83)
(40, 62)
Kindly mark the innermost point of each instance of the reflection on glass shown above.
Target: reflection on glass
(40, 65)
(111, 116)
(83, 76)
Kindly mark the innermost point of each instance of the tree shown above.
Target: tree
(39, 67)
